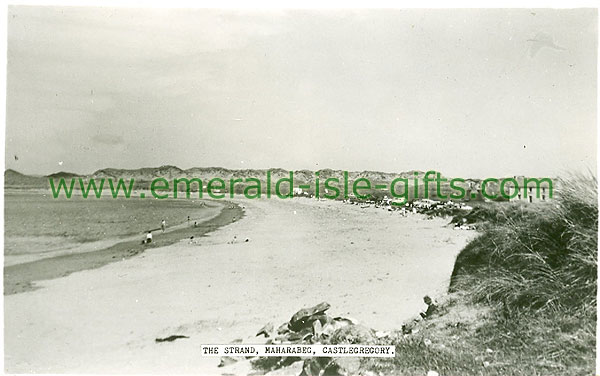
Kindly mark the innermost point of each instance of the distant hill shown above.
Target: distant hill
(15, 179)
(140, 174)
(63, 174)
(144, 176)
(207, 173)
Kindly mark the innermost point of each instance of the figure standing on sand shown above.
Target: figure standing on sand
(163, 225)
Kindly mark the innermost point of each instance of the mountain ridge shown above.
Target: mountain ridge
(145, 175)
(13, 177)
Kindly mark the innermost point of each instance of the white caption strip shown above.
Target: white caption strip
(367, 351)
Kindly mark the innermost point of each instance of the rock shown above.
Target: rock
(346, 320)
(330, 367)
(353, 334)
(300, 318)
(170, 338)
(335, 369)
(335, 324)
(432, 373)
(299, 336)
(283, 329)
(265, 330)
(226, 360)
(314, 366)
(348, 366)
(317, 328)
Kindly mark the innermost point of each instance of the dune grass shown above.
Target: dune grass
(523, 295)
(541, 256)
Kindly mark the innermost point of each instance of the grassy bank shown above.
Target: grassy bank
(522, 297)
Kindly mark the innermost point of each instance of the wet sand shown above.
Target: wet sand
(369, 264)
(21, 277)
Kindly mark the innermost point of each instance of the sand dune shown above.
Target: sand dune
(370, 264)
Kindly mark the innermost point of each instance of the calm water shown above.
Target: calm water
(36, 224)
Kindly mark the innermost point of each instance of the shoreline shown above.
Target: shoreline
(71, 246)
(20, 278)
(222, 288)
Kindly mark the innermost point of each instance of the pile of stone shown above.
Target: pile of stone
(431, 208)
(308, 326)
(314, 326)
(434, 208)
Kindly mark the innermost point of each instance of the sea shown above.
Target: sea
(37, 225)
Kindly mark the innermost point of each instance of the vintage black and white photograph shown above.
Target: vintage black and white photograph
(303, 191)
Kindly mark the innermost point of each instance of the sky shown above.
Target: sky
(467, 92)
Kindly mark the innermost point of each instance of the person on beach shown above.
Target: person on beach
(148, 237)
(429, 308)
(163, 225)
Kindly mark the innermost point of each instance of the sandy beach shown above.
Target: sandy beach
(369, 264)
